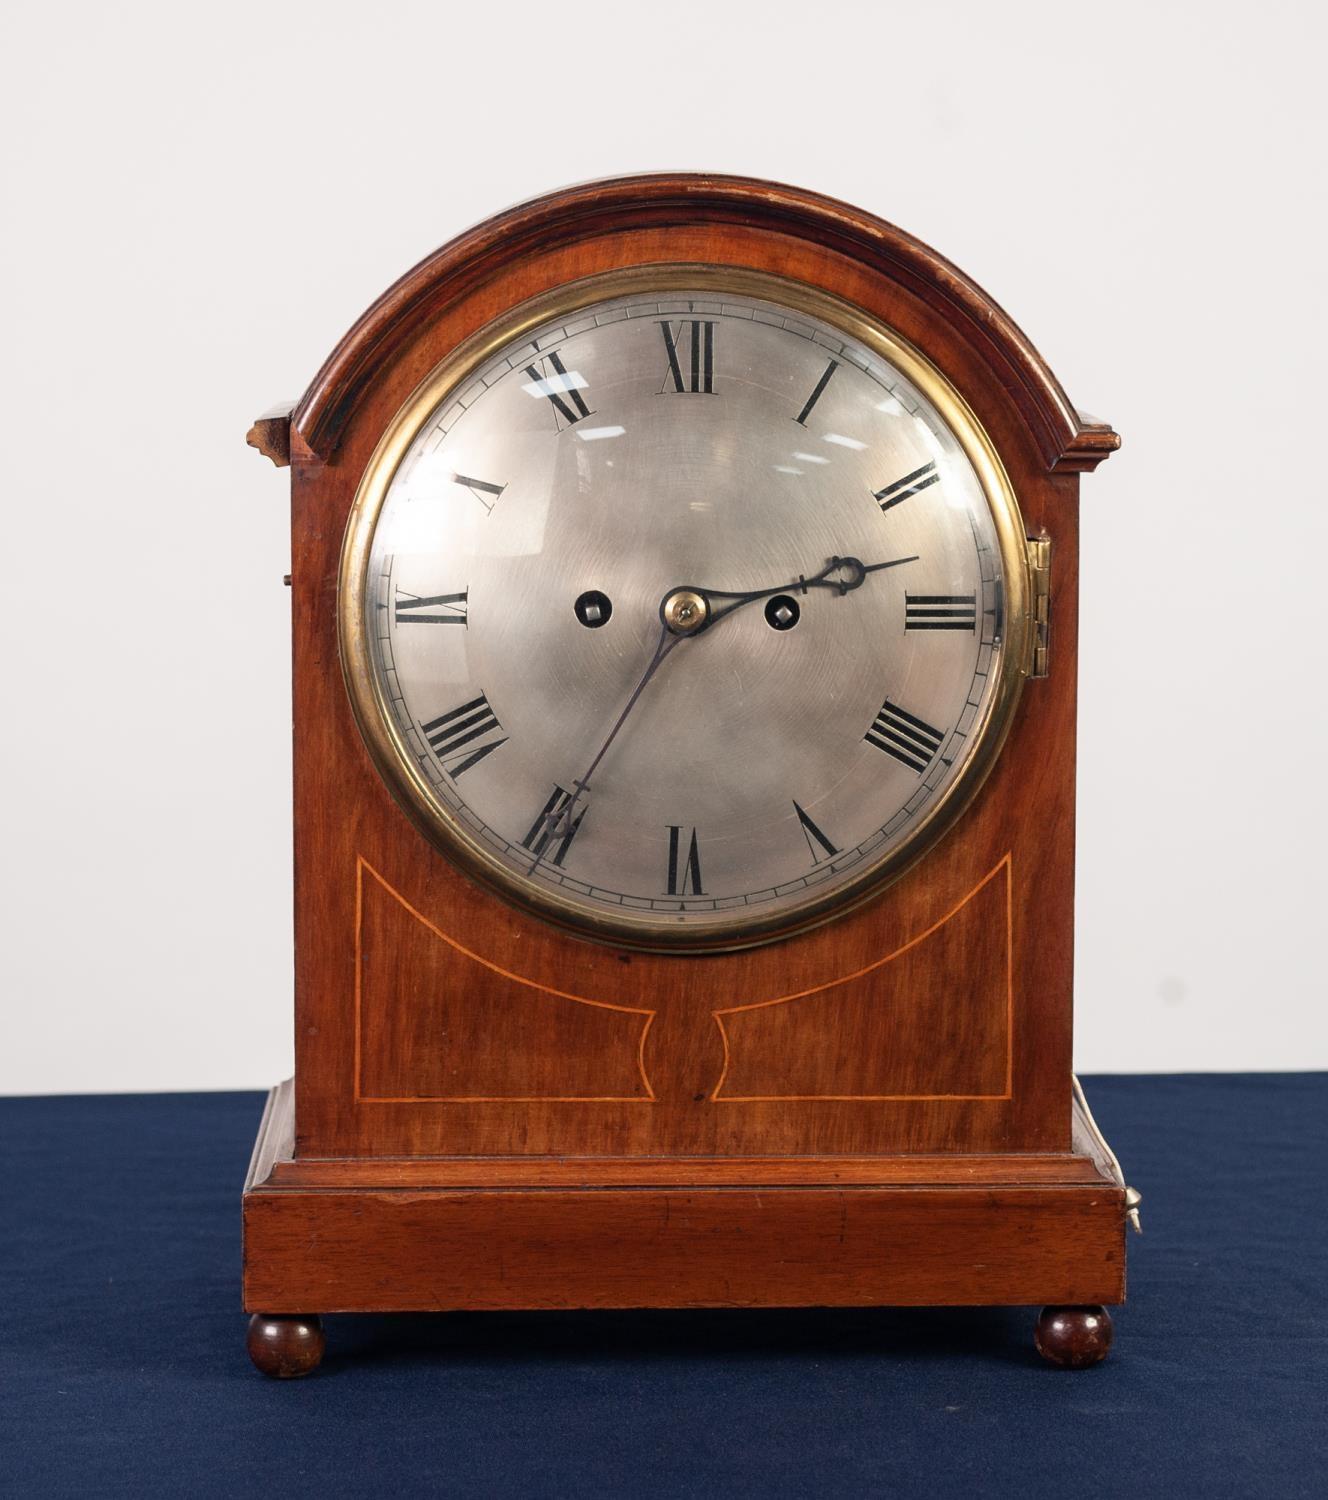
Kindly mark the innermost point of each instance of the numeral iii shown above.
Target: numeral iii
(941, 612)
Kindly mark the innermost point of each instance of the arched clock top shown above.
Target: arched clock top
(1065, 439)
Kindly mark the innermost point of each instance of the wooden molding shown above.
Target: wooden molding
(414, 1235)
(1095, 441)
(1065, 440)
(270, 434)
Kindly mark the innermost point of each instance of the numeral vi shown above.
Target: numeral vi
(684, 864)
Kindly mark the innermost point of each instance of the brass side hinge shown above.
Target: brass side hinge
(1039, 572)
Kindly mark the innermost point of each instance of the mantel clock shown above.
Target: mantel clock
(684, 587)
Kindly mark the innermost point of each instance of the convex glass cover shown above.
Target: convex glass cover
(685, 607)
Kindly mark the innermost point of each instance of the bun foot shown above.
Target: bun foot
(285, 1347)
(1073, 1337)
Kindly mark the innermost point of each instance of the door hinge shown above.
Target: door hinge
(1039, 572)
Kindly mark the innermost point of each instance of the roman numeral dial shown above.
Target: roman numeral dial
(568, 738)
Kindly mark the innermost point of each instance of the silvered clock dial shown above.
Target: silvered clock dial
(686, 608)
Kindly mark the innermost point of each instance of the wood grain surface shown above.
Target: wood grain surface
(578, 215)
(380, 1236)
(740, 1247)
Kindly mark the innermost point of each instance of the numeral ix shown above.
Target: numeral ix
(450, 608)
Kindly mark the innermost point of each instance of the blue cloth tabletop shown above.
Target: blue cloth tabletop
(123, 1370)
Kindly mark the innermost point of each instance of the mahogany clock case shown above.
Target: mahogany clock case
(489, 1111)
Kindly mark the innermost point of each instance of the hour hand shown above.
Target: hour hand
(852, 572)
(688, 611)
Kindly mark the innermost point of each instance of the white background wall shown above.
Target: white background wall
(199, 200)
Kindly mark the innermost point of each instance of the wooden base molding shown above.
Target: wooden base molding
(419, 1235)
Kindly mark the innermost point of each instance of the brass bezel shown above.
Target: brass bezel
(392, 756)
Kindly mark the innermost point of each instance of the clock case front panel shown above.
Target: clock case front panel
(446, 1039)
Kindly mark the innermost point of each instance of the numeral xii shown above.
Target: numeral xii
(701, 364)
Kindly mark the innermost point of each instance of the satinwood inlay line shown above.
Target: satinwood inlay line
(361, 866)
(1004, 867)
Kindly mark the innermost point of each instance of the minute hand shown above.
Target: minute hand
(853, 570)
